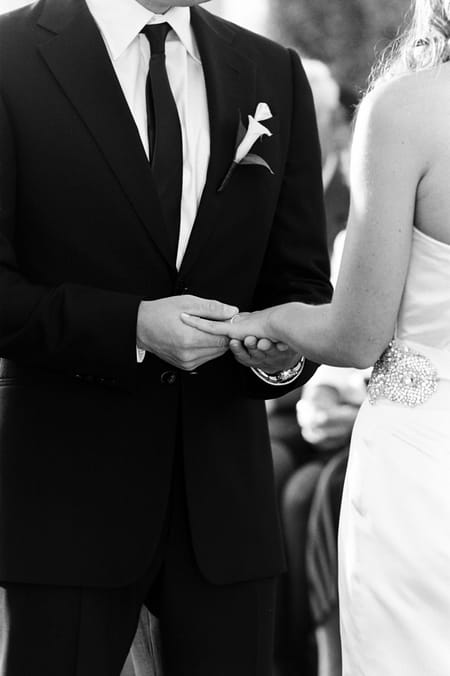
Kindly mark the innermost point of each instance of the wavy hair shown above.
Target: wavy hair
(422, 45)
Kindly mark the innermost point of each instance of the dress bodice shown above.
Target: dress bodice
(394, 552)
(424, 315)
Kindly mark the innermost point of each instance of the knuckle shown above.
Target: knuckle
(185, 343)
(206, 325)
(185, 356)
(213, 306)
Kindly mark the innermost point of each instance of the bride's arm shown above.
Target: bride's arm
(388, 162)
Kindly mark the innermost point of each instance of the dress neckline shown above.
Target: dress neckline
(430, 238)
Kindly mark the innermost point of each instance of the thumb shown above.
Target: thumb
(213, 309)
(241, 316)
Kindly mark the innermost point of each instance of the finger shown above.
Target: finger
(253, 358)
(240, 353)
(258, 357)
(206, 341)
(221, 345)
(190, 339)
(206, 325)
(282, 347)
(265, 345)
(236, 345)
(250, 342)
(240, 316)
(212, 309)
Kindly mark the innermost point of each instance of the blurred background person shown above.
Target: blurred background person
(334, 110)
(309, 508)
(334, 133)
(326, 413)
(303, 442)
(334, 122)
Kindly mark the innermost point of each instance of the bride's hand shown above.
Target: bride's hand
(251, 341)
(239, 327)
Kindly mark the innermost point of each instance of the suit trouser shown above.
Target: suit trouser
(206, 629)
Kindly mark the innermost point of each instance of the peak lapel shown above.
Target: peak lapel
(230, 84)
(78, 59)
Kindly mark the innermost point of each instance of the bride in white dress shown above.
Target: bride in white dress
(394, 284)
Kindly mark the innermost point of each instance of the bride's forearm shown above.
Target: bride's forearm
(316, 332)
(304, 328)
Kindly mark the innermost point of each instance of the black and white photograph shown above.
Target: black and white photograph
(224, 338)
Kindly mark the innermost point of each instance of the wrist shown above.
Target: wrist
(271, 323)
(142, 325)
(283, 377)
(291, 364)
(275, 322)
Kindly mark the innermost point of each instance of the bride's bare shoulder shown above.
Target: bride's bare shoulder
(407, 101)
(406, 110)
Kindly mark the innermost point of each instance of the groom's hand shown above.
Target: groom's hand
(161, 331)
(264, 354)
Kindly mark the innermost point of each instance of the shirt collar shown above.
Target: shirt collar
(121, 21)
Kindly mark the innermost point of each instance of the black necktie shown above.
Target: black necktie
(164, 132)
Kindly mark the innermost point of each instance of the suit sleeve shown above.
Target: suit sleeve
(68, 328)
(296, 266)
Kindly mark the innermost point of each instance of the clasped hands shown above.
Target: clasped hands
(187, 332)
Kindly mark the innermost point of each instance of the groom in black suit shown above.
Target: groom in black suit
(132, 477)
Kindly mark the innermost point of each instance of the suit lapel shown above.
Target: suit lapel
(78, 59)
(230, 84)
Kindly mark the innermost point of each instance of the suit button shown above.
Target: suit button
(168, 378)
(181, 287)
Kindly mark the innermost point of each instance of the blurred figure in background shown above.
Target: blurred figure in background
(307, 435)
(332, 103)
(326, 414)
(334, 108)
(307, 601)
(310, 506)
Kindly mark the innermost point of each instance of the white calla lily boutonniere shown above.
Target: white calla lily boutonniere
(246, 139)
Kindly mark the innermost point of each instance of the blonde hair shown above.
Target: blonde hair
(424, 44)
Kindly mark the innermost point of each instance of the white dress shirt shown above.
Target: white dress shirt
(120, 23)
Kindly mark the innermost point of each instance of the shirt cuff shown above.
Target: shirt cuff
(140, 355)
(282, 377)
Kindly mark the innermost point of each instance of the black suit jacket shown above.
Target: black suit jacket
(87, 436)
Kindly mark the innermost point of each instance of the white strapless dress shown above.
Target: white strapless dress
(394, 535)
